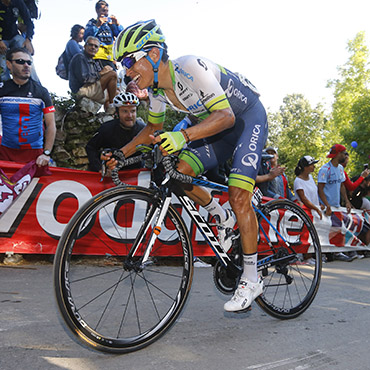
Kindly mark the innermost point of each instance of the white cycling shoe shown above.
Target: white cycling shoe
(225, 231)
(244, 295)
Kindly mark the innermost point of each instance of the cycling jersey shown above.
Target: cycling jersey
(202, 87)
(22, 108)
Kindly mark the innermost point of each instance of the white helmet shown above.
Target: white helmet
(124, 99)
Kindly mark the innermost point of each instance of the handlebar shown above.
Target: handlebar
(151, 156)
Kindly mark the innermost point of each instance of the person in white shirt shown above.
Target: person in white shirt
(304, 185)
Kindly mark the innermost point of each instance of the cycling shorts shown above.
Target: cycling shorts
(243, 143)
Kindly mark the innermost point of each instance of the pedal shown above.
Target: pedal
(245, 310)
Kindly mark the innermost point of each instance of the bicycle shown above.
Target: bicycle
(124, 263)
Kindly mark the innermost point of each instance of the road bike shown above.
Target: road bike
(123, 267)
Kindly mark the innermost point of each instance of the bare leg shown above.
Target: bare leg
(109, 82)
(241, 203)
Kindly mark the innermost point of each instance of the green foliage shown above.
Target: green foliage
(360, 132)
(62, 103)
(172, 117)
(351, 106)
(297, 130)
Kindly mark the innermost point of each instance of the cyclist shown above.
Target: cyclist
(232, 123)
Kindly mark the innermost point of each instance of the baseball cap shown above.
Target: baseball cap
(335, 150)
(307, 160)
(270, 148)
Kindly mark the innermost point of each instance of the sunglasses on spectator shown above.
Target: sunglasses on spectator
(22, 61)
(131, 59)
(93, 45)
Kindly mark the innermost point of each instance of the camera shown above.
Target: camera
(366, 166)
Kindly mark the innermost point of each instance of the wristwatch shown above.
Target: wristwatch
(47, 152)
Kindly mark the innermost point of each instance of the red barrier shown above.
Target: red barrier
(36, 219)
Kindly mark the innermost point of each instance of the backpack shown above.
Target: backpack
(62, 67)
(32, 8)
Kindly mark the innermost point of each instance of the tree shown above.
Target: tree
(297, 130)
(351, 96)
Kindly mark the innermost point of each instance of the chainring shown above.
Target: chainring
(222, 279)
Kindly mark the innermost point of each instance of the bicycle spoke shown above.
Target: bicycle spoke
(121, 303)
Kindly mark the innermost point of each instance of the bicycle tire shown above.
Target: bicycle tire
(106, 306)
(289, 290)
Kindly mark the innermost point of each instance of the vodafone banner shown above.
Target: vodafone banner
(35, 219)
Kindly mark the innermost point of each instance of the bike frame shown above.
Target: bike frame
(169, 187)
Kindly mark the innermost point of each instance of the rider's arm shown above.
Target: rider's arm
(141, 138)
(217, 121)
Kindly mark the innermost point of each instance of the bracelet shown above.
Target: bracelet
(186, 136)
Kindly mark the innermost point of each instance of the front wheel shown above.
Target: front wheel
(115, 303)
(292, 280)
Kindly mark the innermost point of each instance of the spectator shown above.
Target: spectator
(117, 132)
(266, 173)
(349, 185)
(359, 200)
(88, 79)
(306, 191)
(73, 45)
(23, 104)
(106, 29)
(304, 184)
(331, 178)
(10, 38)
(331, 186)
(278, 186)
(358, 197)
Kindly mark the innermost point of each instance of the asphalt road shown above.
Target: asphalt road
(332, 334)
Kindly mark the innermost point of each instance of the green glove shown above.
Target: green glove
(172, 141)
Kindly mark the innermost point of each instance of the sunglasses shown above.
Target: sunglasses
(22, 61)
(93, 45)
(130, 60)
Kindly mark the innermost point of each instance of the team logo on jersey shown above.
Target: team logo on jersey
(180, 71)
(195, 106)
(202, 64)
(232, 91)
(250, 160)
(205, 97)
(179, 85)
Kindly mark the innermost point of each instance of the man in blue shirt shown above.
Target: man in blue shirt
(331, 178)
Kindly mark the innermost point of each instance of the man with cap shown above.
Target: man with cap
(331, 186)
(331, 180)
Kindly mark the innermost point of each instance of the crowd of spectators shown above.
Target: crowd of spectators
(333, 190)
(92, 74)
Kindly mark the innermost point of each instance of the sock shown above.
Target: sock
(250, 268)
(215, 209)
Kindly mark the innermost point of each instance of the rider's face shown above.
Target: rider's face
(142, 72)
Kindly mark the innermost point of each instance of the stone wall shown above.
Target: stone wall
(75, 127)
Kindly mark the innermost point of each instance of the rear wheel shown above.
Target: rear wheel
(291, 284)
(112, 302)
